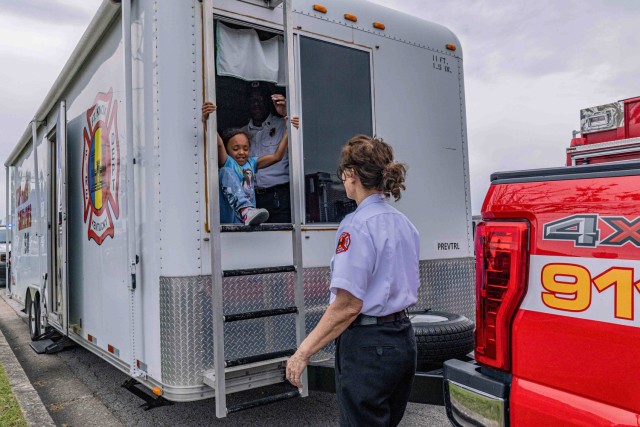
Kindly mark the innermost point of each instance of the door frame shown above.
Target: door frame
(57, 226)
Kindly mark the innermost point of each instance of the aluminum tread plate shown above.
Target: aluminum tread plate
(186, 319)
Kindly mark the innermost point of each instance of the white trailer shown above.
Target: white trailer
(113, 187)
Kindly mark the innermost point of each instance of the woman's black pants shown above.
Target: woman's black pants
(375, 366)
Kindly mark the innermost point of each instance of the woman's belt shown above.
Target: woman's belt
(363, 319)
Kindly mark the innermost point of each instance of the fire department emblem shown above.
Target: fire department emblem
(343, 242)
(101, 167)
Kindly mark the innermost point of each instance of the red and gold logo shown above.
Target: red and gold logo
(343, 242)
(101, 167)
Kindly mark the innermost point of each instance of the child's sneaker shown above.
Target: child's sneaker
(254, 216)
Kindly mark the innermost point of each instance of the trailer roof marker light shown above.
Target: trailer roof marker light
(319, 8)
(350, 17)
(378, 25)
(451, 47)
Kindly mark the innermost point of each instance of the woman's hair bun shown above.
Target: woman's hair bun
(372, 159)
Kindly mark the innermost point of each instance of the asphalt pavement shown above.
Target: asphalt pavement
(77, 388)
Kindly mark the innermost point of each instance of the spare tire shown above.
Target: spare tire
(441, 336)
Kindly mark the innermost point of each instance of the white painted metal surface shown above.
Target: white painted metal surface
(418, 107)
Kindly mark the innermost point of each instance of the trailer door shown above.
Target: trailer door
(58, 313)
(230, 348)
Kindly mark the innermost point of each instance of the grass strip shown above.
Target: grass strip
(10, 412)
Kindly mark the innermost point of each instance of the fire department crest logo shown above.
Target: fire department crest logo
(343, 242)
(101, 167)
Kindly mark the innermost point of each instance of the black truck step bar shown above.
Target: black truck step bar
(261, 270)
(264, 401)
(259, 314)
(235, 228)
(259, 358)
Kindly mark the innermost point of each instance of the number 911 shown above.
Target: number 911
(569, 288)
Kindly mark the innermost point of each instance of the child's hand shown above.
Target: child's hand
(207, 108)
(295, 121)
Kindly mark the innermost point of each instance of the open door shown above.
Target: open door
(231, 355)
(58, 307)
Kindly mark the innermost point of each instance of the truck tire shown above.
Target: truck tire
(441, 336)
(33, 312)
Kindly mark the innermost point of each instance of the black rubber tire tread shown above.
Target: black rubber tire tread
(445, 340)
(33, 306)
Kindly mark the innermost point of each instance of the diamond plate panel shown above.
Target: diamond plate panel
(186, 329)
(186, 318)
(448, 285)
(259, 336)
(258, 292)
(243, 294)
(316, 301)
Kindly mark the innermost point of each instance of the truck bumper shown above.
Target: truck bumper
(473, 398)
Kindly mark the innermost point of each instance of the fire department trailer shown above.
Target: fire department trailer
(113, 187)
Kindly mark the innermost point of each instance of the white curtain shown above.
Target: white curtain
(241, 54)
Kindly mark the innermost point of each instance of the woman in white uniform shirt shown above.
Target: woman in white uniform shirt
(374, 279)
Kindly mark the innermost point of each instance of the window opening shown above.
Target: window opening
(336, 105)
(249, 69)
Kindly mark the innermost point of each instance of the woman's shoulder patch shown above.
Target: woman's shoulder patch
(343, 242)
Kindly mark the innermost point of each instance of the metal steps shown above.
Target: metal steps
(263, 297)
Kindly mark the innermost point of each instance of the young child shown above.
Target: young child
(237, 173)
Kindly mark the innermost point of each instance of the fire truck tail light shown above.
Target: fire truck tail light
(501, 271)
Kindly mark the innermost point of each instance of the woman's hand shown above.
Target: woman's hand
(339, 315)
(207, 108)
(295, 366)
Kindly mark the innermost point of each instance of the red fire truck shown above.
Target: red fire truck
(608, 133)
(558, 289)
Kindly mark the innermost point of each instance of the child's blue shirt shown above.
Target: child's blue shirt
(237, 188)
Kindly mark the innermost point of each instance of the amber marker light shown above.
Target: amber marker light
(319, 8)
(350, 17)
(378, 25)
(451, 47)
(156, 390)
